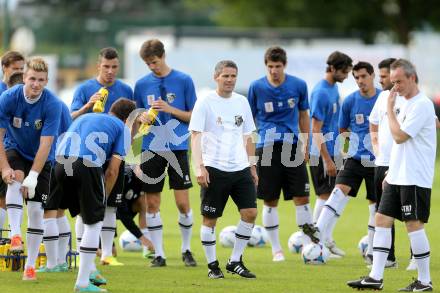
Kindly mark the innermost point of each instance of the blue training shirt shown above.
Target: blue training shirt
(65, 121)
(325, 107)
(26, 123)
(88, 88)
(95, 137)
(3, 87)
(277, 108)
(177, 89)
(354, 115)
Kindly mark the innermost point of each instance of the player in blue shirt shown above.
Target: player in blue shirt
(31, 114)
(172, 93)
(11, 62)
(279, 103)
(83, 101)
(353, 122)
(81, 183)
(324, 115)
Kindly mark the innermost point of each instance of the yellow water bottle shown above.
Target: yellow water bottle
(2, 258)
(42, 256)
(145, 127)
(99, 105)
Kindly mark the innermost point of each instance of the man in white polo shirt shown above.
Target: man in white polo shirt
(407, 187)
(221, 126)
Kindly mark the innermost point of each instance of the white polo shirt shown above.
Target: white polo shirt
(223, 122)
(378, 116)
(412, 162)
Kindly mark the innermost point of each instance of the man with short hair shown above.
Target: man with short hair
(407, 187)
(84, 99)
(382, 140)
(221, 127)
(171, 93)
(353, 123)
(31, 115)
(83, 186)
(279, 104)
(324, 115)
(12, 62)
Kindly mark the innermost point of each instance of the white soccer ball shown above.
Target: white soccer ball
(227, 236)
(297, 241)
(128, 242)
(315, 253)
(363, 245)
(259, 237)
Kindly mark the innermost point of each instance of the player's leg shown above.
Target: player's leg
(269, 171)
(244, 196)
(65, 233)
(2, 206)
(213, 202)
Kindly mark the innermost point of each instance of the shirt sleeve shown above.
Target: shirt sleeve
(190, 95)
(344, 115)
(138, 89)
(129, 94)
(303, 103)
(123, 141)
(198, 117)
(416, 118)
(252, 100)
(319, 105)
(5, 105)
(249, 125)
(79, 99)
(52, 119)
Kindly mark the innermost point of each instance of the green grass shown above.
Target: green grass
(289, 276)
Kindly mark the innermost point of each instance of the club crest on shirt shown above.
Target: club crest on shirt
(219, 120)
(359, 118)
(16, 122)
(291, 102)
(38, 124)
(397, 111)
(171, 97)
(238, 120)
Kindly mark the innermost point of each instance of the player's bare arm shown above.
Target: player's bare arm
(304, 127)
(196, 153)
(374, 130)
(399, 135)
(7, 173)
(111, 173)
(89, 105)
(250, 150)
(163, 106)
(319, 141)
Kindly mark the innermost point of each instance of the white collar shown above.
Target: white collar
(31, 101)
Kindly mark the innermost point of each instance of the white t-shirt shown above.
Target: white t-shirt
(223, 122)
(378, 116)
(412, 162)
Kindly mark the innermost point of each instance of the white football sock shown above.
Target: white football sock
(330, 209)
(14, 206)
(242, 236)
(63, 242)
(185, 223)
(371, 224)
(35, 231)
(421, 250)
(155, 227)
(147, 235)
(108, 232)
(271, 224)
(51, 239)
(303, 215)
(381, 248)
(87, 253)
(332, 223)
(79, 231)
(319, 204)
(208, 238)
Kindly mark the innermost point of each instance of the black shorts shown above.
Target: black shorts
(155, 165)
(82, 191)
(274, 176)
(379, 176)
(131, 193)
(17, 162)
(239, 185)
(115, 197)
(406, 202)
(322, 183)
(352, 175)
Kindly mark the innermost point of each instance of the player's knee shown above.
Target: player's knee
(299, 201)
(344, 188)
(414, 225)
(249, 215)
(383, 221)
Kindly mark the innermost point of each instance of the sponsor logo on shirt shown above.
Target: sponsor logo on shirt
(280, 104)
(268, 107)
(38, 124)
(171, 97)
(335, 107)
(150, 99)
(359, 118)
(16, 122)
(238, 120)
(291, 102)
(219, 120)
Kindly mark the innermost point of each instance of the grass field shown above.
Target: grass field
(289, 276)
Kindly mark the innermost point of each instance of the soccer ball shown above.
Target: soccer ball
(297, 241)
(227, 236)
(363, 245)
(128, 242)
(259, 237)
(315, 253)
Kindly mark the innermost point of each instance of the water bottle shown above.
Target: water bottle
(99, 105)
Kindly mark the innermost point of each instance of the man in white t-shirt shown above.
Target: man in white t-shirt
(407, 186)
(221, 126)
(382, 141)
